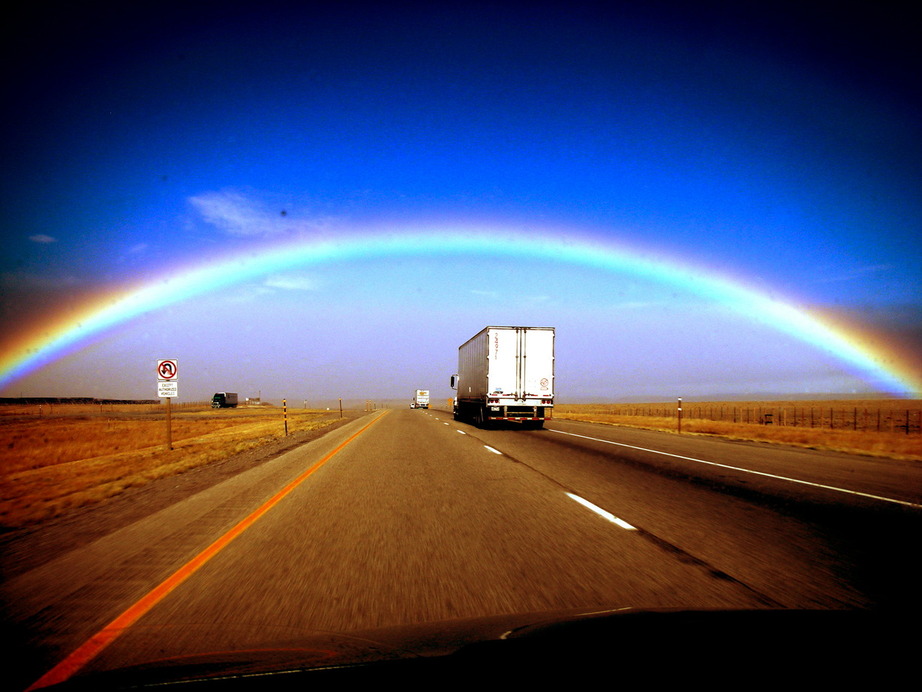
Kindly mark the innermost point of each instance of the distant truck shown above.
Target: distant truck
(506, 374)
(224, 400)
(421, 400)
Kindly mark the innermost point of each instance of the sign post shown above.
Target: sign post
(168, 387)
(679, 412)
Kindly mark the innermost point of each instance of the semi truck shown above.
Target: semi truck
(421, 399)
(506, 374)
(224, 400)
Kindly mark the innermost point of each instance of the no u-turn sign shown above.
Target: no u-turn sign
(167, 370)
(167, 388)
(167, 374)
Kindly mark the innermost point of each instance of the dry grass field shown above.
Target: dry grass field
(53, 458)
(57, 457)
(877, 427)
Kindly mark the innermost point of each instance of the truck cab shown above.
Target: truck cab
(224, 400)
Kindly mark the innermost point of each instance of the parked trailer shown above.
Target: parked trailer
(224, 400)
(506, 374)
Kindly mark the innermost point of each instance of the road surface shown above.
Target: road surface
(407, 516)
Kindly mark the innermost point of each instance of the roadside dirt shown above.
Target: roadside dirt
(25, 548)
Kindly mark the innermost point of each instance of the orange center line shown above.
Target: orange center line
(99, 641)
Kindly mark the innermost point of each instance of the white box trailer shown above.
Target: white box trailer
(506, 374)
(421, 400)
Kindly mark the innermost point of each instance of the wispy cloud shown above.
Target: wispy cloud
(241, 215)
(42, 239)
(291, 282)
(637, 305)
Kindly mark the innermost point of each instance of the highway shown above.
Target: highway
(407, 516)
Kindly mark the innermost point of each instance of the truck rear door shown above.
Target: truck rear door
(536, 363)
(503, 355)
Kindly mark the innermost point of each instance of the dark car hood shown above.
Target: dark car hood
(668, 645)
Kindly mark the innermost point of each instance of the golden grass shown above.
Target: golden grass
(871, 427)
(55, 460)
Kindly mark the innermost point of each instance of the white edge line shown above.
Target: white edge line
(601, 512)
(742, 470)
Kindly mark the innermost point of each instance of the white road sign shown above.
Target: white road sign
(167, 390)
(167, 370)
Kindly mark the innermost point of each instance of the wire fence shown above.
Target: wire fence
(90, 407)
(832, 417)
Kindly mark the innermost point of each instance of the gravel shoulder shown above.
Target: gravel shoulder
(28, 547)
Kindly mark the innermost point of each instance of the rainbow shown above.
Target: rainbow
(879, 369)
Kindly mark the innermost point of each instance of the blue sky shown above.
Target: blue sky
(776, 145)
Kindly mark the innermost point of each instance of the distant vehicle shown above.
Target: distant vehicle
(421, 400)
(224, 400)
(506, 374)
